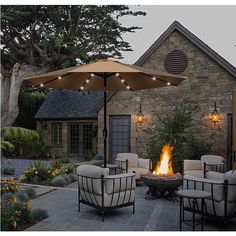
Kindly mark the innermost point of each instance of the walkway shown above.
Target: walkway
(151, 215)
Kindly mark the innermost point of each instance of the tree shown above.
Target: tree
(45, 38)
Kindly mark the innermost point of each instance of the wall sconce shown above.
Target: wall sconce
(140, 115)
(215, 116)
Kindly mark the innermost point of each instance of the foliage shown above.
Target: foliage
(7, 146)
(194, 148)
(8, 171)
(20, 137)
(9, 185)
(29, 103)
(88, 155)
(64, 160)
(39, 149)
(174, 129)
(72, 177)
(58, 181)
(38, 172)
(21, 196)
(38, 214)
(17, 215)
(55, 36)
(30, 192)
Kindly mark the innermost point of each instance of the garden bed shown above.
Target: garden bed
(16, 207)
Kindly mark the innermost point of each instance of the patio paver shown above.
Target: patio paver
(151, 215)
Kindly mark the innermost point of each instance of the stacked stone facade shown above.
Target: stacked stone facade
(207, 82)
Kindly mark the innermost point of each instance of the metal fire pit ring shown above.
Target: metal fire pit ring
(162, 185)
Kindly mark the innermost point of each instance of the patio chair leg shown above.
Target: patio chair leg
(102, 216)
(133, 208)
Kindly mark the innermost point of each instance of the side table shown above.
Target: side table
(193, 195)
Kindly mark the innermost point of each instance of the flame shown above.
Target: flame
(164, 166)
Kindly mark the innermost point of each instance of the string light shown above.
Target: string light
(87, 81)
(128, 87)
(117, 74)
(82, 88)
(41, 85)
(168, 83)
(92, 75)
(122, 81)
(59, 77)
(154, 78)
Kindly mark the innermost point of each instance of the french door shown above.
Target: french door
(234, 131)
(79, 139)
(119, 136)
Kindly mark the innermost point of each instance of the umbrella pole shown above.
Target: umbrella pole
(105, 120)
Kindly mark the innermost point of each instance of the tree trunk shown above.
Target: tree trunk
(10, 88)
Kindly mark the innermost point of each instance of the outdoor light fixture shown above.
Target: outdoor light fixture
(215, 115)
(140, 115)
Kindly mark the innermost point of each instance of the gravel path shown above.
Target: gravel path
(19, 164)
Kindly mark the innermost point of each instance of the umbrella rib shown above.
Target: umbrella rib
(158, 78)
(125, 83)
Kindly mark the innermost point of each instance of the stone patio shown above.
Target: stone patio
(151, 215)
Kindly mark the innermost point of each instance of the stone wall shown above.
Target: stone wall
(47, 135)
(207, 82)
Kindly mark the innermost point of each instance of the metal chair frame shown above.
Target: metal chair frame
(84, 181)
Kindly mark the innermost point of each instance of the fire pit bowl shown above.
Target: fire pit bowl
(162, 185)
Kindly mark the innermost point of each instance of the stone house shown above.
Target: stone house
(67, 119)
(210, 79)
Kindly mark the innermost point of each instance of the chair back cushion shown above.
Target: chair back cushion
(131, 157)
(144, 163)
(211, 159)
(90, 178)
(119, 183)
(231, 177)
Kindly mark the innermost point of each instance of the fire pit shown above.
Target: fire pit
(163, 182)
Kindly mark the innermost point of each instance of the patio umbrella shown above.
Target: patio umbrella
(105, 75)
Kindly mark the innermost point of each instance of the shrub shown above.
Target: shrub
(56, 164)
(65, 161)
(7, 146)
(8, 171)
(21, 196)
(72, 177)
(38, 215)
(7, 196)
(69, 169)
(9, 185)
(88, 155)
(58, 181)
(174, 129)
(30, 192)
(66, 178)
(39, 149)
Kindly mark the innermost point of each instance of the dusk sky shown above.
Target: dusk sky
(215, 25)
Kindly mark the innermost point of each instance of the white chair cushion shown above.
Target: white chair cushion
(211, 159)
(192, 165)
(109, 199)
(131, 157)
(92, 185)
(119, 183)
(92, 171)
(143, 163)
(138, 171)
(215, 175)
(195, 173)
(231, 177)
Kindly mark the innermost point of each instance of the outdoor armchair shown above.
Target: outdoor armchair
(100, 190)
(222, 187)
(199, 168)
(129, 162)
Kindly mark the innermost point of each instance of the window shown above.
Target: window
(87, 137)
(57, 134)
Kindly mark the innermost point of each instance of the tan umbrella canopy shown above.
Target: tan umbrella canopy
(105, 75)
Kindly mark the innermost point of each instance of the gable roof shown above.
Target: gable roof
(66, 104)
(176, 26)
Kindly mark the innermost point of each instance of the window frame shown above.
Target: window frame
(58, 134)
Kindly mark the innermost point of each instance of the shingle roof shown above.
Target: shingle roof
(65, 104)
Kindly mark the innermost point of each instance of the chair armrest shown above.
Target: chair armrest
(215, 175)
(192, 165)
(144, 163)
